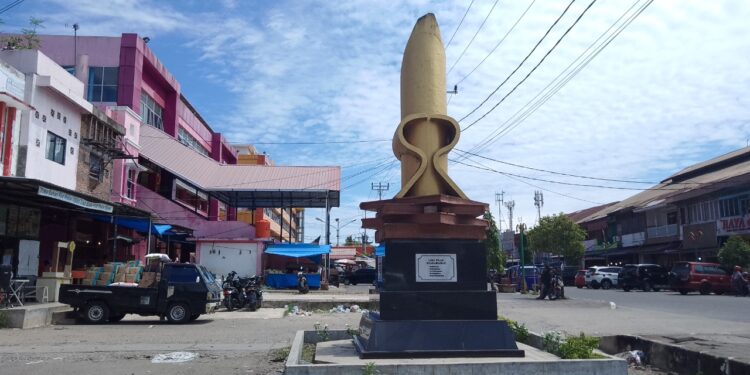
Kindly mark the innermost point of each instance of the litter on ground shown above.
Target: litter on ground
(174, 357)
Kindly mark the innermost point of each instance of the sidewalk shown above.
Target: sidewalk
(572, 316)
(323, 299)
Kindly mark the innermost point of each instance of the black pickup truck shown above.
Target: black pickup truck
(184, 292)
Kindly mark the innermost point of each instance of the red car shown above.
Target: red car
(700, 277)
(580, 280)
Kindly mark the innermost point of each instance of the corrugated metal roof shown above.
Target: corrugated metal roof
(211, 175)
(668, 192)
(707, 163)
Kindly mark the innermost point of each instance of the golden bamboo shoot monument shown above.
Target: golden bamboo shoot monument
(434, 299)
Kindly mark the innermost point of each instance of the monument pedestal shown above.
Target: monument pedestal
(434, 299)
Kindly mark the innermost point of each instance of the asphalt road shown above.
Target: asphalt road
(724, 307)
(225, 342)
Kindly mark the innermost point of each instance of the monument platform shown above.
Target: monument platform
(339, 357)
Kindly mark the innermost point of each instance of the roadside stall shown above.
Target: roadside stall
(284, 261)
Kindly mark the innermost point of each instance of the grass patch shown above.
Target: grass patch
(280, 355)
(308, 353)
(573, 347)
(3, 319)
(519, 330)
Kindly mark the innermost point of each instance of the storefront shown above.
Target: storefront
(37, 218)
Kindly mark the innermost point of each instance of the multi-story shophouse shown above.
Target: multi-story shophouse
(286, 225)
(43, 206)
(688, 216)
(185, 173)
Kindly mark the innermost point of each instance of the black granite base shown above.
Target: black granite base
(434, 338)
(438, 305)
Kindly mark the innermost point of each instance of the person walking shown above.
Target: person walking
(545, 280)
(738, 282)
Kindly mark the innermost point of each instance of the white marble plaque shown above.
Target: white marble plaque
(436, 268)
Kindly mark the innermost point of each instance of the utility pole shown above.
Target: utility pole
(499, 199)
(510, 205)
(539, 203)
(381, 187)
(524, 287)
(337, 231)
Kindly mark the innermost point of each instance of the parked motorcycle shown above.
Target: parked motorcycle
(253, 293)
(557, 287)
(302, 283)
(234, 294)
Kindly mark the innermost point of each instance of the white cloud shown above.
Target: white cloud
(671, 90)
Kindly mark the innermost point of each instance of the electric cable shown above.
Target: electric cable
(498, 44)
(520, 64)
(530, 107)
(533, 69)
(473, 37)
(459, 25)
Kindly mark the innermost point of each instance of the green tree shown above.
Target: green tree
(495, 255)
(28, 39)
(352, 241)
(735, 252)
(559, 235)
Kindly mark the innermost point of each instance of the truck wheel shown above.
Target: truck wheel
(116, 318)
(96, 312)
(178, 313)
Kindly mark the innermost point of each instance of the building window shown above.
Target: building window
(70, 69)
(738, 205)
(130, 184)
(188, 140)
(96, 166)
(191, 197)
(151, 112)
(102, 84)
(223, 211)
(55, 148)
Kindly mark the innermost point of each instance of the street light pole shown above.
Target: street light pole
(521, 229)
(337, 231)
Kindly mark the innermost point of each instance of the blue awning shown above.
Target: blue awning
(298, 250)
(140, 225)
(380, 250)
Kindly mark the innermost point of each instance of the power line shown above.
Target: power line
(533, 69)
(539, 187)
(530, 107)
(561, 182)
(459, 25)
(498, 44)
(473, 37)
(557, 173)
(520, 64)
(10, 6)
(322, 142)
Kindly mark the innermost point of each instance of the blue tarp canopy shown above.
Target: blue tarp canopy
(141, 225)
(380, 251)
(298, 250)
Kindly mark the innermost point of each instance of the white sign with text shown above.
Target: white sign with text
(436, 268)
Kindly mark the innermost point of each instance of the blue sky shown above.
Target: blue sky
(669, 91)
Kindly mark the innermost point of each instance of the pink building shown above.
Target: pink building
(181, 170)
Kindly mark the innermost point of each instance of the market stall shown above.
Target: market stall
(286, 260)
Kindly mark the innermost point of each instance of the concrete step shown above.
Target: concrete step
(34, 315)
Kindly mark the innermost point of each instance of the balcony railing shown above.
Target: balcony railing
(662, 231)
(633, 239)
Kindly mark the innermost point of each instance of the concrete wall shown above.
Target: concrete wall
(48, 88)
(132, 123)
(102, 50)
(179, 215)
(224, 257)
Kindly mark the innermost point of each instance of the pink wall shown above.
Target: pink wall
(179, 215)
(102, 50)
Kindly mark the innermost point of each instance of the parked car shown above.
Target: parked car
(580, 280)
(602, 277)
(569, 275)
(701, 277)
(643, 276)
(361, 276)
